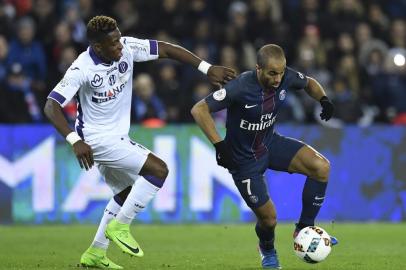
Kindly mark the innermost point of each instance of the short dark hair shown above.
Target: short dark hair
(99, 26)
(269, 51)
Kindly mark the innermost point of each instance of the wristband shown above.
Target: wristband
(204, 67)
(72, 138)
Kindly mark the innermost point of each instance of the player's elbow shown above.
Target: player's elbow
(49, 108)
(197, 109)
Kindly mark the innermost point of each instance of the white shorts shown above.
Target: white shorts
(119, 160)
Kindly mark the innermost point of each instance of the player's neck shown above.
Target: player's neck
(97, 58)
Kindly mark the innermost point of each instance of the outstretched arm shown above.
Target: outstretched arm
(83, 151)
(316, 91)
(218, 75)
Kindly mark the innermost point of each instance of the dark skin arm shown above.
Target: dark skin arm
(218, 75)
(82, 150)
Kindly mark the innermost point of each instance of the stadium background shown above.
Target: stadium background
(355, 48)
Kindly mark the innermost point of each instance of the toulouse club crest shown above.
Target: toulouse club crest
(122, 67)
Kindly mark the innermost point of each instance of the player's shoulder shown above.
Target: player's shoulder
(292, 73)
(243, 80)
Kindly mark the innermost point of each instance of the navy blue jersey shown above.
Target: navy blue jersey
(251, 111)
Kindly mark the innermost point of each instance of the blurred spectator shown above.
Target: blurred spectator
(7, 13)
(76, 23)
(3, 58)
(21, 105)
(168, 89)
(127, 17)
(146, 104)
(45, 17)
(27, 51)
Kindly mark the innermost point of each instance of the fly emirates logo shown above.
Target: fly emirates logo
(267, 121)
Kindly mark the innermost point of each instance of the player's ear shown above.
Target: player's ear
(257, 67)
(97, 47)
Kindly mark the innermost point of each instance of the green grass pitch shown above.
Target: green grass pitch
(362, 246)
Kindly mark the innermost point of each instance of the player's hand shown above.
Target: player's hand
(327, 108)
(84, 154)
(219, 75)
(224, 156)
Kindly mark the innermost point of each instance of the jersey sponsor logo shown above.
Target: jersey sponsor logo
(122, 67)
(267, 121)
(97, 81)
(112, 79)
(282, 94)
(111, 70)
(219, 95)
(250, 106)
(100, 97)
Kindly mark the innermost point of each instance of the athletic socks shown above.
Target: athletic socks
(266, 237)
(312, 199)
(142, 192)
(112, 209)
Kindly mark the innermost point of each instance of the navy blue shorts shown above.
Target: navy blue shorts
(250, 180)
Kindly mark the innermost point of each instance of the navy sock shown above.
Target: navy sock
(312, 199)
(266, 237)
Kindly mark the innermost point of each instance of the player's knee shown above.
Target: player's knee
(322, 170)
(162, 172)
(269, 221)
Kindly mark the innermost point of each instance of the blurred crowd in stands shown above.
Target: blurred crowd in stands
(355, 48)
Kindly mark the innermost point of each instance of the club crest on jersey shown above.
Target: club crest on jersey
(97, 81)
(219, 95)
(282, 94)
(112, 79)
(122, 67)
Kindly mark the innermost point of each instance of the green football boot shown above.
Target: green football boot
(120, 234)
(96, 258)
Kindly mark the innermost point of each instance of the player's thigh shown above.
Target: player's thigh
(120, 161)
(282, 152)
(309, 162)
(253, 190)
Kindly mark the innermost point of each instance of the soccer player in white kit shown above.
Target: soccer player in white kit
(101, 80)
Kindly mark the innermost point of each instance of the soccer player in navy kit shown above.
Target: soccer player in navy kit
(251, 145)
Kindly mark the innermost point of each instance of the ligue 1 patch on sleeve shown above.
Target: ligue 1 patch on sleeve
(219, 95)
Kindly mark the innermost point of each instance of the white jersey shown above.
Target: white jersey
(103, 91)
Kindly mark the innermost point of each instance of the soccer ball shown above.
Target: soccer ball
(312, 244)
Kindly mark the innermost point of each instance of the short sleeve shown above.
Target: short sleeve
(224, 97)
(297, 79)
(68, 86)
(141, 49)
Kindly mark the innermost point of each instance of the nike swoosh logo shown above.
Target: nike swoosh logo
(135, 250)
(319, 198)
(105, 264)
(250, 106)
(74, 68)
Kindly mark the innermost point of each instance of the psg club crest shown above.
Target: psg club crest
(282, 94)
(219, 95)
(122, 67)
